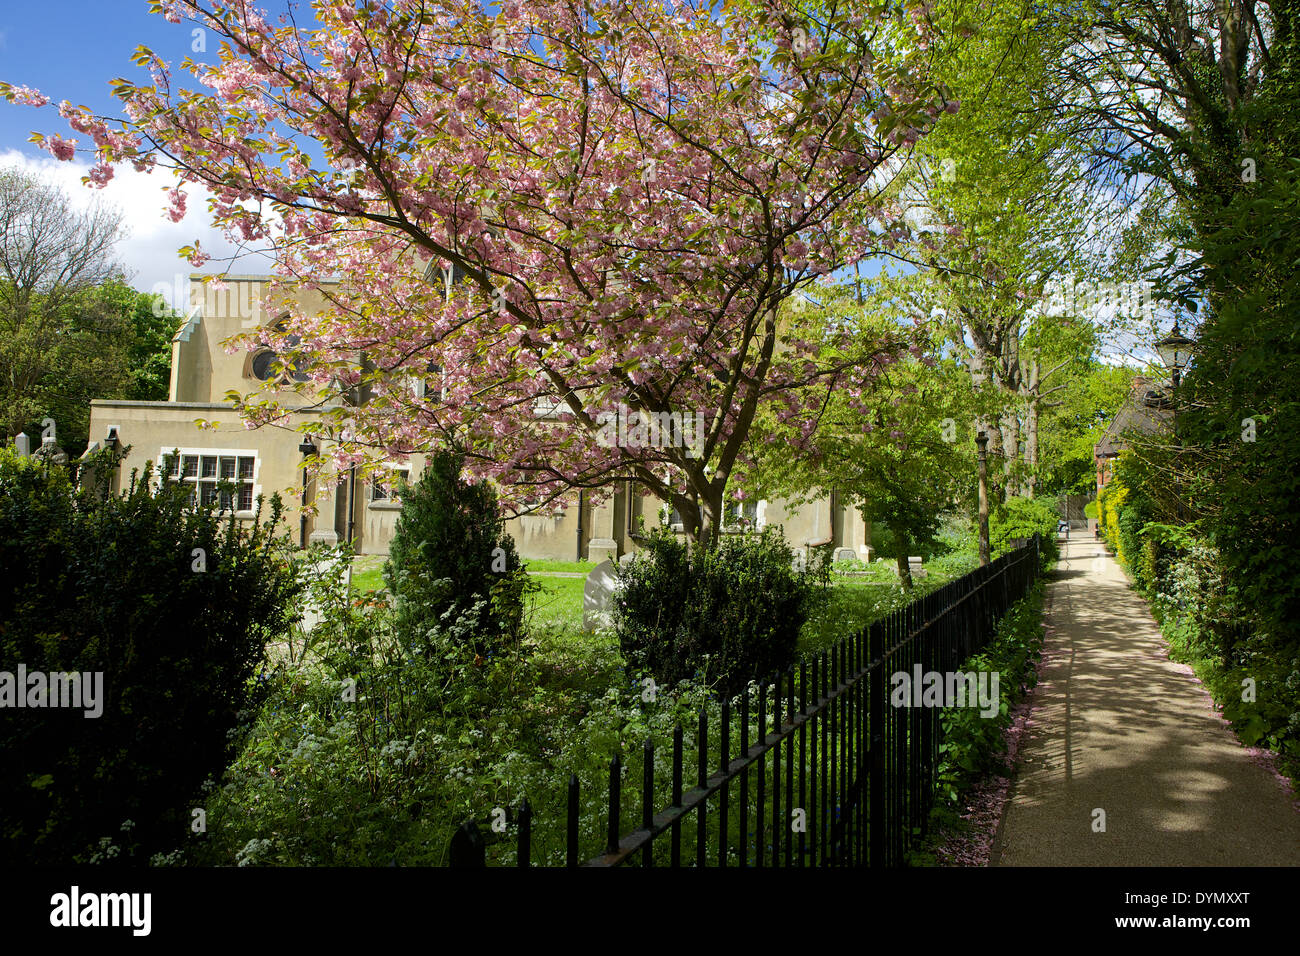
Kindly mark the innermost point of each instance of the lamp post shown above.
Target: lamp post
(1176, 352)
(308, 450)
(982, 445)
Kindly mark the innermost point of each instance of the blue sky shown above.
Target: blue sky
(71, 49)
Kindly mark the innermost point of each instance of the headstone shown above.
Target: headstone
(51, 452)
(24, 444)
(845, 554)
(328, 567)
(598, 596)
(627, 558)
(914, 567)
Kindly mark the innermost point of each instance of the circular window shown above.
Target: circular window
(266, 363)
(263, 365)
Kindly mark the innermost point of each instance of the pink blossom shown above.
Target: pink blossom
(61, 148)
(176, 197)
(100, 174)
(608, 297)
(28, 96)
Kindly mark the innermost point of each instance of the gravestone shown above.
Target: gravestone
(325, 568)
(50, 451)
(913, 566)
(598, 596)
(23, 444)
(845, 554)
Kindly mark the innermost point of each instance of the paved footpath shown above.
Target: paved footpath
(1119, 727)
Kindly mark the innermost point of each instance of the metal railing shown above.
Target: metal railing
(854, 773)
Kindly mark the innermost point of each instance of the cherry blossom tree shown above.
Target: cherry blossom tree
(625, 191)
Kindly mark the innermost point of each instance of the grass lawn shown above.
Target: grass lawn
(560, 567)
(853, 602)
(558, 604)
(368, 573)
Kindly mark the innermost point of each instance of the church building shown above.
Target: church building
(212, 444)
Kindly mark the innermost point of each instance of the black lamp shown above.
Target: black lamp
(308, 450)
(1176, 352)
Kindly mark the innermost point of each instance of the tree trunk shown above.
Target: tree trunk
(904, 569)
(701, 515)
(994, 432)
(1031, 439)
(1010, 452)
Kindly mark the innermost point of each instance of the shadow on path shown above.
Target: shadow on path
(1118, 727)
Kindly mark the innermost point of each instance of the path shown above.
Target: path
(1118, 726)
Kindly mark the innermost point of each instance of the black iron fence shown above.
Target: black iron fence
(833, 763)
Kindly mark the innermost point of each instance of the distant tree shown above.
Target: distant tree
(902, 461)
(61, 342)
(1094, 394)
(151, 324)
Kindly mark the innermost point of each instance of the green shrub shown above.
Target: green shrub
(1227, 642)
(730, 614)
(172, 609)
(1140, 559)
(1090, 509)
(368, 752)
(1023, 518)
(364, 751)
(972, 743)
(450, 556)
(884, 543)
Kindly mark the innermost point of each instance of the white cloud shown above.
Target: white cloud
(148, 253)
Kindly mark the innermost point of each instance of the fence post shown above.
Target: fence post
(467, 850)
(571, 834)
(876, 727)
(525, 848)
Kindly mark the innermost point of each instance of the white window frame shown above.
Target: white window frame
(736, 512)
(255, 482)
(420, 386)
(388, 501)
(544, 407)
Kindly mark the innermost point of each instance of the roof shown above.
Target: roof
(1148, 410)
